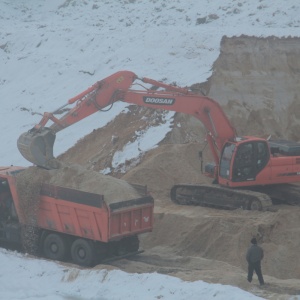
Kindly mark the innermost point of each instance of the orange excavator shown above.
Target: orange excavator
(249, 171)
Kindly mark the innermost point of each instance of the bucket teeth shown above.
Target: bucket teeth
(37, 147)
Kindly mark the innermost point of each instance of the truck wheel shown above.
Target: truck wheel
(255, 205)
(133, 244)
(54, 247)
(121, 248)
(82, 252)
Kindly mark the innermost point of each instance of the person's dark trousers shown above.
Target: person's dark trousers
(257, 268)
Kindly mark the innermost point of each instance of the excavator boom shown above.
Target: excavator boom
(36, 145)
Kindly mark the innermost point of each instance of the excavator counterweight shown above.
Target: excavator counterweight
(36, 146)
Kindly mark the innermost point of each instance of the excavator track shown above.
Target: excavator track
(219, 197)
(288, 193)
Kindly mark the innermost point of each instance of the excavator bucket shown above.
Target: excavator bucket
(36, 146)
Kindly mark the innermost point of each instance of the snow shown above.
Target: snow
(30, 278)
(52, 50)
(145, 141)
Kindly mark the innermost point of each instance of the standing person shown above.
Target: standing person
(254, 256)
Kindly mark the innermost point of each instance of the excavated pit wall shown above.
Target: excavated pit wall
(257, 82)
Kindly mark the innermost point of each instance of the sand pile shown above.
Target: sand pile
(225, 236)
(73, 176)
(77, 177)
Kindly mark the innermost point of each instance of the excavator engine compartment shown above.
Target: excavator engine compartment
(284, 147)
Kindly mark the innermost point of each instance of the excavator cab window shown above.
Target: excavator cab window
(226, 160)
(263, 155)
(250, 159)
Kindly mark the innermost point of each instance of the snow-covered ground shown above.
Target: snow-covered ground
(30, 279)
(52, 50)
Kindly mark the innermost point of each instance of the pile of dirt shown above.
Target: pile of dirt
(78, 177)
(225, 236)
(168, 165)
(96, 150)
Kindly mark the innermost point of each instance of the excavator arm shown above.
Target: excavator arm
(36, 145)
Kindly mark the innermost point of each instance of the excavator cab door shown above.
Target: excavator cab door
(226, 159)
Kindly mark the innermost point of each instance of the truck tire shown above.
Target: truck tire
(55, 247)
(83, 252)
(133, 243)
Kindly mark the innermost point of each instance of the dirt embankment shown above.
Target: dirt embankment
(225, 235)
(257, 82)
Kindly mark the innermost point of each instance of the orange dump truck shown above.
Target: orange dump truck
(70, 224)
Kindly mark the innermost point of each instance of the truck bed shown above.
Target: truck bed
(88, 215)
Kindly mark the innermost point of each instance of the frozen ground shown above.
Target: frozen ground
(28, 278)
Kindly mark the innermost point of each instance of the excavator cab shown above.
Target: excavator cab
(36, 146)
(242, 160)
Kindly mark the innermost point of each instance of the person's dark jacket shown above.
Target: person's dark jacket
(254, 254)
